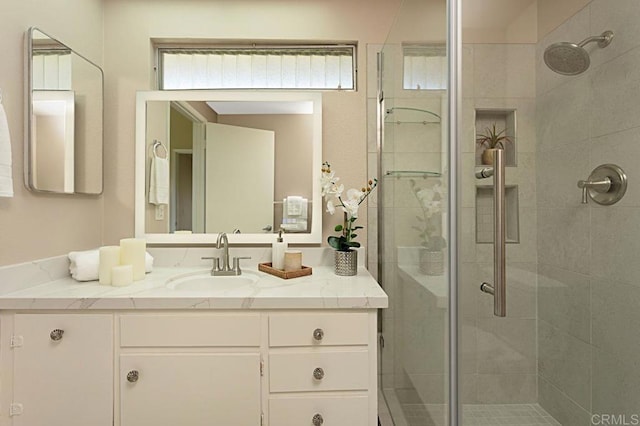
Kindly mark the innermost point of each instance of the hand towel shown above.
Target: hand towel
(294, 214)
(159, 181)
(294, 205)
(84, 265)
(6, 179)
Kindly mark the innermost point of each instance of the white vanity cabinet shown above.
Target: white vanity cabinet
(62, 367)
(162, 367)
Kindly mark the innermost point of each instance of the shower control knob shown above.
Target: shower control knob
(318, 334)
(317, 420)
(318, 373)
(56, 334)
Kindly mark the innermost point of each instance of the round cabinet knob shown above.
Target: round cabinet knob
(133, 376)
(318, 334)
(317, 420)
(318, 373)
(56, 334)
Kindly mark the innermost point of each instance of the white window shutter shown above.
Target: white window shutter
(324, 67)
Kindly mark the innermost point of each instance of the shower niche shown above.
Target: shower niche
(484, 214)
(504, 121)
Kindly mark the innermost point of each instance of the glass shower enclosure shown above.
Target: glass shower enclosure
(412, 215)
(565, 351)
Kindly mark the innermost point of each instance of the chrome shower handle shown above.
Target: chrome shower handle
(499, 288)
(601, 186)
(606, 185)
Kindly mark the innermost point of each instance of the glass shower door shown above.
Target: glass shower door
(412, 210)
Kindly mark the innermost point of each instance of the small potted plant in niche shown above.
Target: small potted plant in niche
(429, 226)
(491, 139)
(346, 259)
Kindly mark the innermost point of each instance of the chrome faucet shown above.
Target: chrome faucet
(222, 268)
(222, 238)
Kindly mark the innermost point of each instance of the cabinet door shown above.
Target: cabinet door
(195, 389)
(64, 382)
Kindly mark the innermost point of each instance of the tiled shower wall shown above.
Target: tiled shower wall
(589, 321)
(498, 360)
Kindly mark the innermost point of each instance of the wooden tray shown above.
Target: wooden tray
(285, 275)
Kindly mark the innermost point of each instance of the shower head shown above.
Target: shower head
(572, 59)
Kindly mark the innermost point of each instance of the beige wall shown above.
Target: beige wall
(131, 24)
(32, 225)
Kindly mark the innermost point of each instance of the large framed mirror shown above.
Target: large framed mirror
(64, 116)
(242, 162)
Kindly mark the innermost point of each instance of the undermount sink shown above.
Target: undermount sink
(204, 282)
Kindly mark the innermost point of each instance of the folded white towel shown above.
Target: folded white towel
(6, 179)
(294, 205)
(159, 181)
(84, 265)
(294, 214)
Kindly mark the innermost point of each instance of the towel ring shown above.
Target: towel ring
(156, 144)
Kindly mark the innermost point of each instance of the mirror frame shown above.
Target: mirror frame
(312, 237)
(28, 88)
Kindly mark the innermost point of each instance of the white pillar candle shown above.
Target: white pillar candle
(109, 257)
(121, 275)
(292, 260)
(133, 252)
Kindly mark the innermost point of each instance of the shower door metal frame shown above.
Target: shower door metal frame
(454, 58)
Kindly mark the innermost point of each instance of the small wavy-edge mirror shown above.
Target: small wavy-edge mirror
(64, 118)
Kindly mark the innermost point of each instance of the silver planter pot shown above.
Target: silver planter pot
(432, 262)
(346, 262)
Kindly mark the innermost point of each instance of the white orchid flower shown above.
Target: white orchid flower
(439, 189)
(349, 202)
(336, 190)
(328, 181)
(354, 194)
(331, 208)
(433, 208)
(425, 194)
(350, 206)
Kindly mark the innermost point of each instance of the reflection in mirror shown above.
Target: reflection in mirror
(63, 144)
(222, 161)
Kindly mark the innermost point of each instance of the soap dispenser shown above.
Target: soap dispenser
(277, 252)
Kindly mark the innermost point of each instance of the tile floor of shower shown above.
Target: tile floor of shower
(412, 414)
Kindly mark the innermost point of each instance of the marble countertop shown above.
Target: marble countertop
(321, 290)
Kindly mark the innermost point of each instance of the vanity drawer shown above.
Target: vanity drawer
(184, 330)
(318, 329)
(338, 411)
(319, 371)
